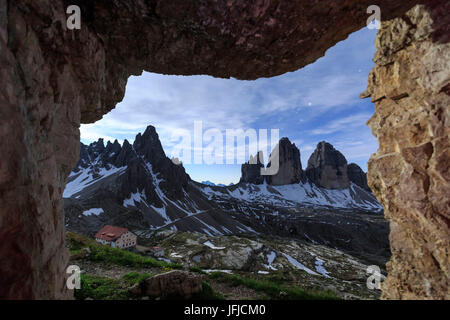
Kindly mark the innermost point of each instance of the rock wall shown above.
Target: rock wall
(53, 78)
(39, 120)
(410, 173)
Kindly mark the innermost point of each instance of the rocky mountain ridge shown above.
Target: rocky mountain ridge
(138, 187)
(212, 184)
(327, 168)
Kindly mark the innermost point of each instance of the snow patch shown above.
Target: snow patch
(212, 246)
(216, 270)
(320, 268)
(298, 265)
(85, 178)
(93, 211)
(135, 198)
(162, 212)
(303, 193)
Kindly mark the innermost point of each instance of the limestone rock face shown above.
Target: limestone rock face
(327, 167)
(289, 164)
(251, 171)
(357, 176)
(410, 173)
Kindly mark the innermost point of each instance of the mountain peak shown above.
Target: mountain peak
(290, 166)
(126, 143)
(150, 130)
(149, 146)
(357, 176)
(98, 145)
(327, 167)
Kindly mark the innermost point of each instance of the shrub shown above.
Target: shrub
(99, 288)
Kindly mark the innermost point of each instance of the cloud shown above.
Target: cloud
(91, 133)
(348, 123)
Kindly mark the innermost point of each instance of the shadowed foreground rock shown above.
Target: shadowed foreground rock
(53, 78)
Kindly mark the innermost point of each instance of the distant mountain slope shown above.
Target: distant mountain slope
(212, 184)
(327, 181)
(306, 194)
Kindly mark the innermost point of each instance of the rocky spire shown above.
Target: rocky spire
(126, 155)
(113, 148)
(173, 177)
(327, 167)
(357, 176)
(144, 155)
(251, 170)
(148, 146)
(97, 147)
(84, 160)
(290, 166)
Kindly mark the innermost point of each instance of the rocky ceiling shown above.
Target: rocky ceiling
(53, 79)
(240, 39)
